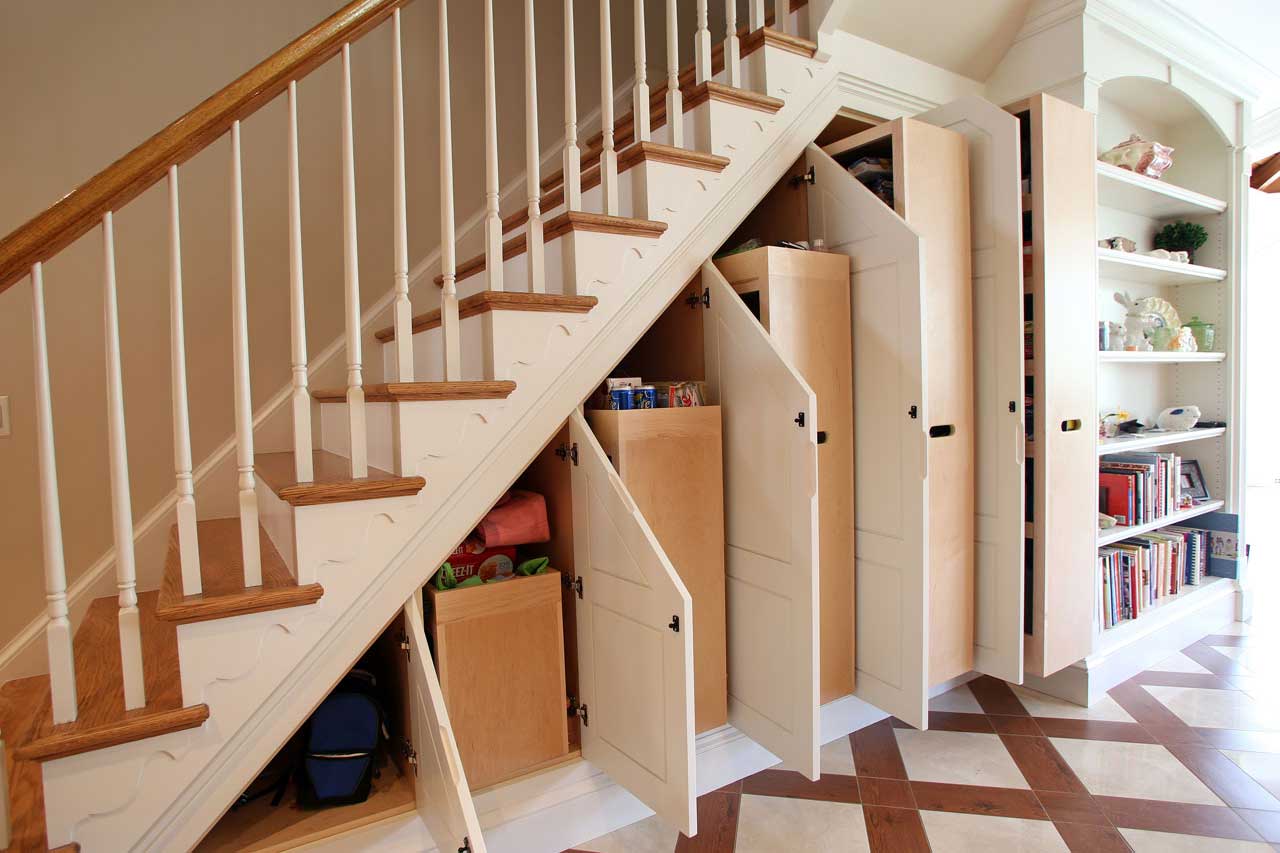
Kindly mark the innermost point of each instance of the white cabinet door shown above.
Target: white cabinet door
(635, 642)
(890, 415)
(444, 800)
(771, 529)
(995, 184)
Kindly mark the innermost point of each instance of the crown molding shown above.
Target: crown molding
(1264, 135)
(1046, 14)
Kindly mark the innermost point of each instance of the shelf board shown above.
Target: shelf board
(1167, 609)
(1158, 439)
(1144, 269)
(1122, 189)
(1115, 534)
(1161, 357)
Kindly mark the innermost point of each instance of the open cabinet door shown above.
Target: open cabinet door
(444, 800)
(890, 412)
(635, 642)
(995, 200)
(771, 529)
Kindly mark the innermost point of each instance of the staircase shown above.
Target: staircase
(162, 705)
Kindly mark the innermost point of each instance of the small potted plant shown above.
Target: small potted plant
(1181, 237)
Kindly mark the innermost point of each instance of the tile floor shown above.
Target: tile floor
(1183, 757)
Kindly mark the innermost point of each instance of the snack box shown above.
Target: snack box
(470, 558)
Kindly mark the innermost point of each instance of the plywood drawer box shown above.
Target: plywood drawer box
(500, 653)
(671, 463)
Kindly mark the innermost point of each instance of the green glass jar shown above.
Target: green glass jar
(1203, 333)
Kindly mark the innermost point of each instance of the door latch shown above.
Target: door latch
(1013, 407)
(675, 624)
(799, 420)
(913, 412)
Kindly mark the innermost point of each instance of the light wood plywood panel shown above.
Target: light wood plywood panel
(671, 463)
(803, 300)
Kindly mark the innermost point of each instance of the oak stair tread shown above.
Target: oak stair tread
(331, 480)
(498, 300)
(26, 714)
(558, 226)
(222, 578)
(409, 392)
(633, 155)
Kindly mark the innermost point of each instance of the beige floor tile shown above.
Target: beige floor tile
(965, 833)
(837, 757)
(650, 835)
(1218, 709)
(1145, 841)
(1180, 663)
(775, 824)
(961, 758)
(1263, 767)
(1142, 770)
(1044, 705)
(958, 699)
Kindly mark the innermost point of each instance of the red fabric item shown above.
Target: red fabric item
(519, 518)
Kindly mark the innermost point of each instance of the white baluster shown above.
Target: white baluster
(248, 498)
(781, 10)
(402, 311)
(732, 57)
(572, 156)
(300, 397)
(675, 101)
(755, 14)
(135, 694)
(57, 634)
(702, 46)
(640, 98)
(492, 218)
(608, 156)
(532, 166)
(449, 322)
(351, 277)
(188, 548)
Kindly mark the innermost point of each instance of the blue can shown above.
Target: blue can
(644, 397)
(621, 399)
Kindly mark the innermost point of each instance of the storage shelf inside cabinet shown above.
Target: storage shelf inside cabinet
(1123, 189)
(1125, 357)
(1127, 443)
(1144, 269)
(1166, 609)
(1115, 534)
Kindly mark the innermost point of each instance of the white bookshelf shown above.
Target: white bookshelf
(1137, 268)
(1161, 357)
(1166, 610)
(1146, 441)
(1155, 199)
(1115, 534)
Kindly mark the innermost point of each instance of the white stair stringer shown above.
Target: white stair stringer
(261, 674)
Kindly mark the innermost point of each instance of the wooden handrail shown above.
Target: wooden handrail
(80, 210)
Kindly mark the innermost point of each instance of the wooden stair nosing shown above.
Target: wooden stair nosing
(143, 724)
(222, 577)
(332, 483)
(402, 392)
(497, 300)
(558, 226)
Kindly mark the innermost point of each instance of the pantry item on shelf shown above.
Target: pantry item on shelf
(533, 566)
(616, 382)
(621, 399)
(1178, 418)
(876, 174)
(1106, 522)
(471, 558)
(1162, 339)
(1144, 315)
(684, 394)
(1203, 333)
(1120, 244)
(1184, 341)
(644, 397)
(518, 518)
(747, 246)
(446, 578)
(1181, 237)
(1140, 155)
(1109, 424)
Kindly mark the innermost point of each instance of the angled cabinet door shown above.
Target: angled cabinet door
(635, 643)
(995, 208)
(891, 412)
(444, 800)
(771, 529)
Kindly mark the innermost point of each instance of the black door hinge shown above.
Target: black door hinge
(466, 845)
(568, 452)
(1013, 406)
(410, 754)
(694, 300)
(404, 644)
(809, 177)
(577, 586)
(799, 420)
(578, 710)
(913, 412)
(675, 624)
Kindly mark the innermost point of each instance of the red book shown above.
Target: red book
(1115, 496)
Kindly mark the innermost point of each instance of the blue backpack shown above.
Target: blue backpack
(340, 745)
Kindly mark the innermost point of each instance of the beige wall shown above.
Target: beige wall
(86, 81)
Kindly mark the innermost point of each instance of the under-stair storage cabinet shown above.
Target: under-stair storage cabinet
(909, 246)
(802, 300)
(1061, 380)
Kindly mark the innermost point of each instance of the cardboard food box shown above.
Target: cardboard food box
(471, 558)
